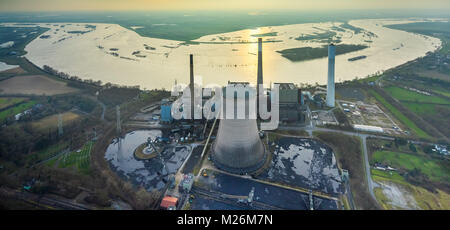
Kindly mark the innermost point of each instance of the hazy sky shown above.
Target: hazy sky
(74, 5)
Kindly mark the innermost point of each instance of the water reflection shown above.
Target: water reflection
(153, 173)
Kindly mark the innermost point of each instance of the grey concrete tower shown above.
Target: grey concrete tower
(330, 84)
(260, 66)
(238, 147)
(191, 83)
(260, 72)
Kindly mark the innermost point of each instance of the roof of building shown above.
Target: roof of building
(169, 201)
(368, 128)
(286, 85)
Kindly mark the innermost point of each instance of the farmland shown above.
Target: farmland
(399, 115)
(436, 170)
(42, 85)
(78, 160)
(47, 153)
(308, 53)
(9, 101)
(51, 122)
(410, 96)
(15, 110)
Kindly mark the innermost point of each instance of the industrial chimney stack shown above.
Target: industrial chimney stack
(191, 85)
(260, 66)
(260, 72)
(330, 85)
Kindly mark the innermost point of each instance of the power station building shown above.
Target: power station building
(290, 103)
(166, 115)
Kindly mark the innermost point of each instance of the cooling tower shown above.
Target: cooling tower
(330, 85)
(238, 147)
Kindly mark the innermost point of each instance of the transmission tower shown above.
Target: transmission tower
(60, 125)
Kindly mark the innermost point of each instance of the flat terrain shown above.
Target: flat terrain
(79, 159)
(399, 115)
(8, 101)
(15, 110)
(436, 170)
(16, 71)
(402, 94)
(308, 53)
(396, 193)
(51, 122)
(40, 85)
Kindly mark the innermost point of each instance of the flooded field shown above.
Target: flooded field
(265, 196)
(4, 66)
(153, 173)
(304, 163)
(121, 56)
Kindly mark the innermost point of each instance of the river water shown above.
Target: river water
(111, 53)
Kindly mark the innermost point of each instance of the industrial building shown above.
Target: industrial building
(166, 115)
(169, 203)
(290, 103)
(368, 128)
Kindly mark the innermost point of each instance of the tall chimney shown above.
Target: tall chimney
(330, 85)
(260, 73)
(191, 84)
(260, 66)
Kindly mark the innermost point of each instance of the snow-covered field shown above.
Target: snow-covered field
(111, 53)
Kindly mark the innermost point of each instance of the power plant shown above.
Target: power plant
(233, 144)
(330, 84)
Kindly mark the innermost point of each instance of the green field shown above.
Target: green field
(425, 199)
(399, 115)
(8, 101)
(15, 110)
(47, 153)
(443, 93)
(21, 36)
(79, 160)
(309, 53)
(436, 170)
(410, 96)
(420, 108)
(393, 176)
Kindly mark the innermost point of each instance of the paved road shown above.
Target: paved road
(370, 182)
